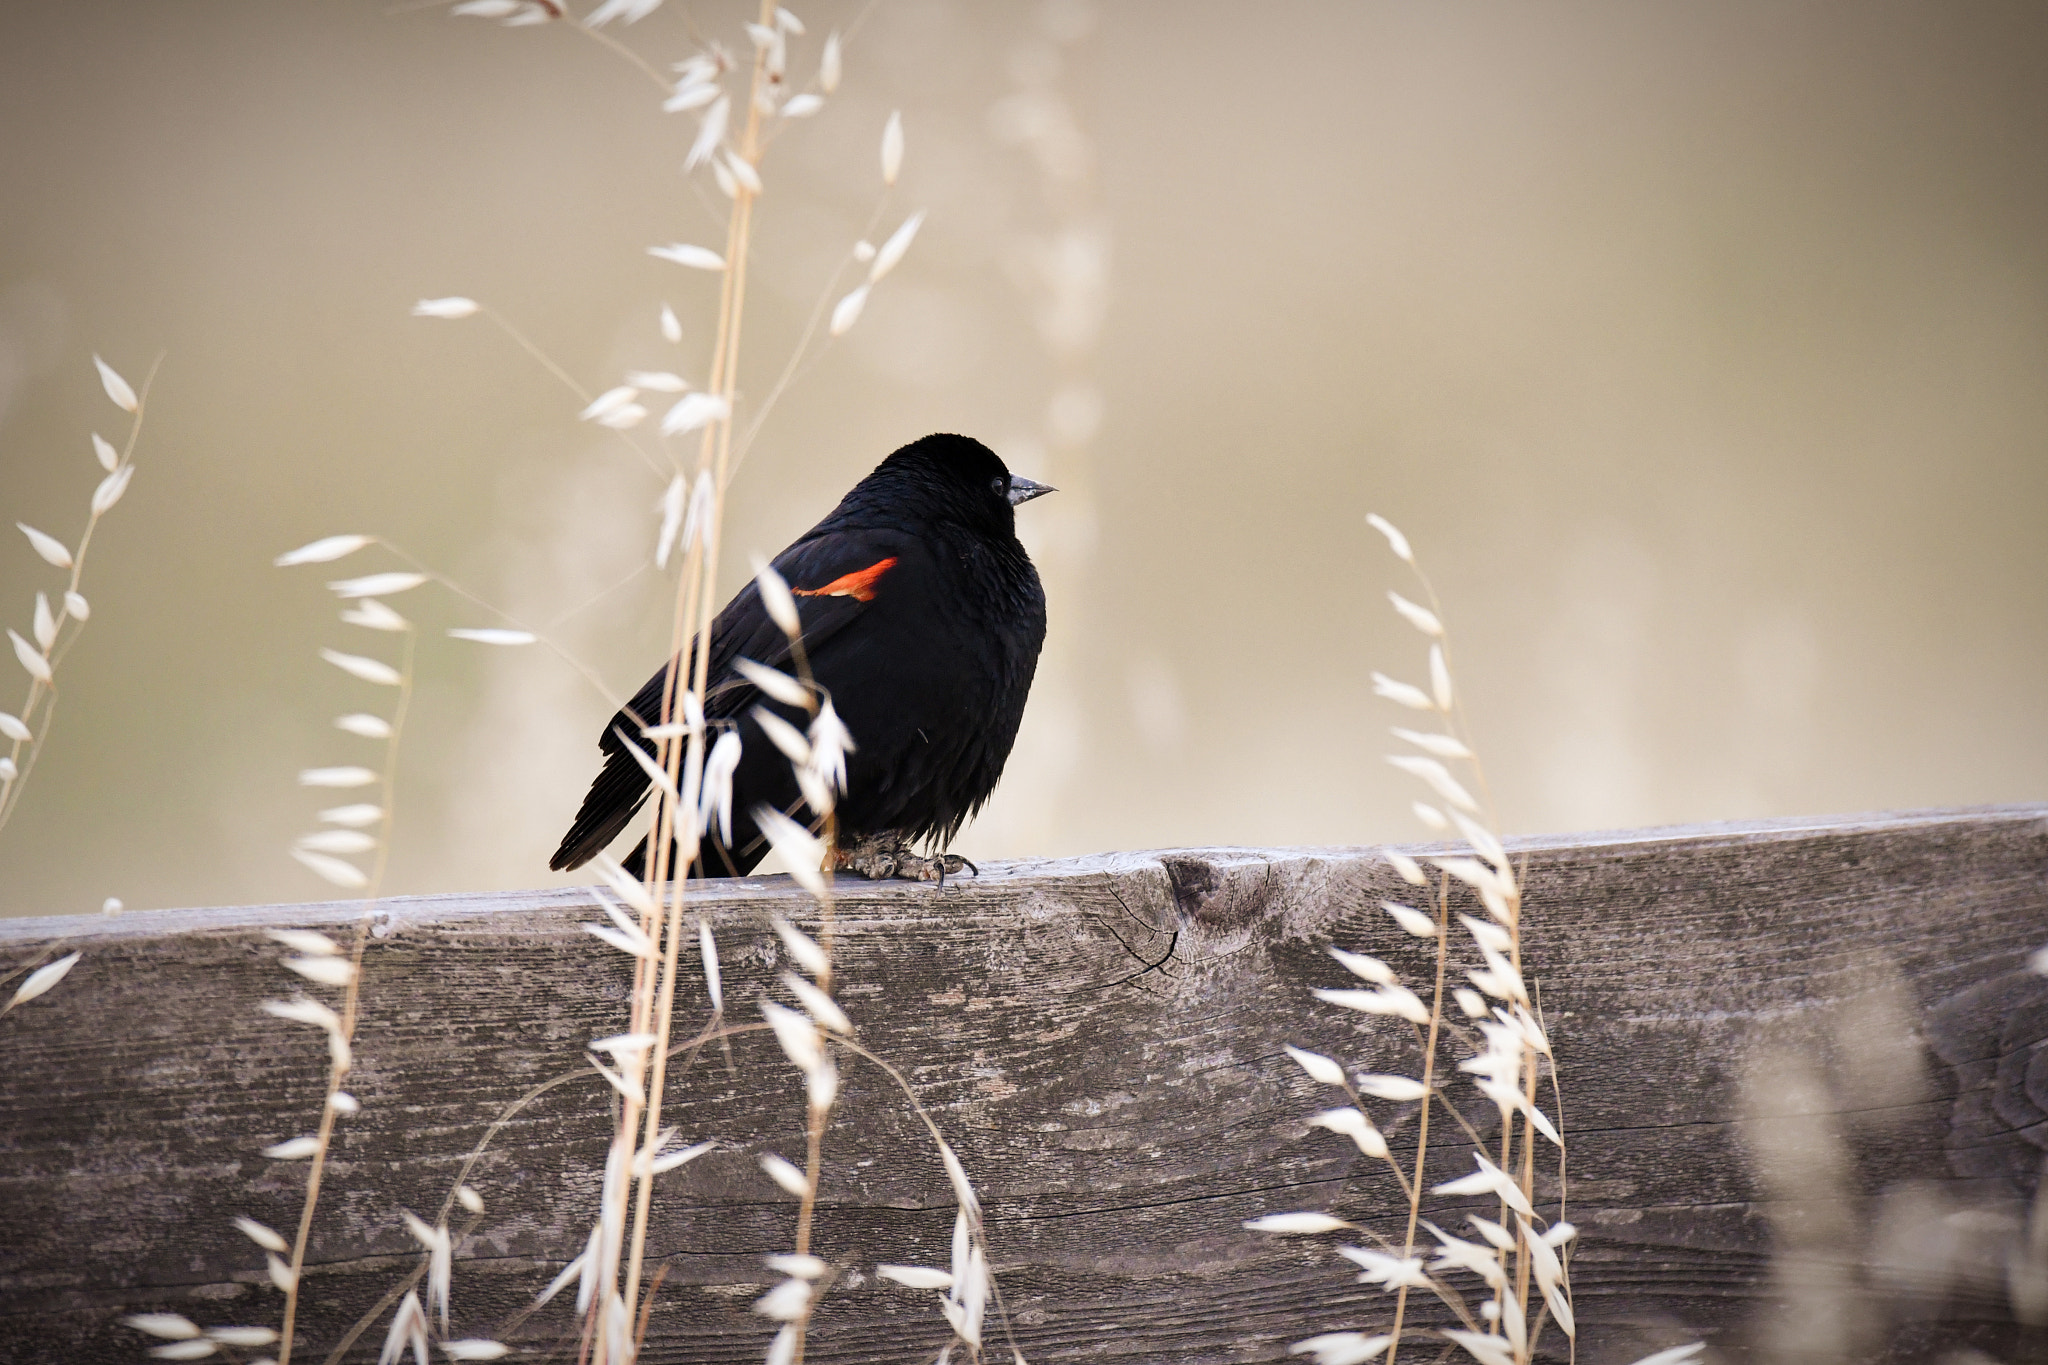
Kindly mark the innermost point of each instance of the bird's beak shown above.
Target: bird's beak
(1023, 490)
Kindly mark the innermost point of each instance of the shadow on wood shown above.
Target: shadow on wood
(1804, 1081)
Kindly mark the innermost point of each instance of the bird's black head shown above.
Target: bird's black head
(950, 478)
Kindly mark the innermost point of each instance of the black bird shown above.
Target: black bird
(922, 621)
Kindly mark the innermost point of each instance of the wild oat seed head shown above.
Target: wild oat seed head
(1486, 844)
(656, 774)
(355, 817)
(31, 658)
(863, 251)
(1440, 679)
(707, 948)
(683, 253)
(303, 1010)
(778, 685)
(111, 906)
(492, 635)
(103, 450)
(323, 551)
(453, 306)
(625, 887)
(783, 736)
(891, 251)
(1488, 1179)
(797, 1267)
(847, 311)
(354, 776)
(363, 724)
(1321, 1069)
(801, 946)
(682, 1156)
(261, 1235)
(1389, 1272)
(1437, 776)
(829, 64)
(1487, 1350)
(801, 851)
(611, 400)
(1354, 1125)
(688, 96)
(1398, 1089)
(344, 1103)
(892, 147)
(42, 979)
(45, 622)
(111, 488)
(475, 1348)
(116, 387)
(1410, 919)
(819, 1005)
(786, 1302)
(327, 971)
(369, 670)
(371, 614)
(1410, 870)
(1429, 815)
(292, 1149)
(169, 1326)
(12, 728)
(787, 1176)
(671, 325)
(797, 1034)
(1296, 1224)
(1420, 617)
(49, 547)
(1341, 1348)
(1391, 1000)
(8, 772)
(715, 800)
(308, 941)
(1359, 965)
(1400, 693)
(963, 1189)
(915, 1276)
(281, 1275)
(694, 411)
(1487, 935)
(1397, 542)
(671, 522)
(1443, 746)
(332, 869)
(1471, 1002)
(709, 133)
(802, 106)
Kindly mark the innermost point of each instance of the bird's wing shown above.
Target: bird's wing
(834, 573)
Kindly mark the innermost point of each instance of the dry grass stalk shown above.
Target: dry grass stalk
(1520, 1258)
(42, 650)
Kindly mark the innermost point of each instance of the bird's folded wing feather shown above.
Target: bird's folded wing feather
(742, 630)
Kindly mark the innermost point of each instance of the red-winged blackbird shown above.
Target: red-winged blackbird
(922, 620)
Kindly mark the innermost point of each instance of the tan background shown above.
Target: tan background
(1699, 349)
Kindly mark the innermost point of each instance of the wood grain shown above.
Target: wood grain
(1794, 1056)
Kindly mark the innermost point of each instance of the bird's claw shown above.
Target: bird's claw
(880, 857)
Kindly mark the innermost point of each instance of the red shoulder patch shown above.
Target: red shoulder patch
(859, 585)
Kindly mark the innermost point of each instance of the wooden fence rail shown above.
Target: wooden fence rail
(1804, 1068)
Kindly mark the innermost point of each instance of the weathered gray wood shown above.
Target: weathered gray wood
(1867, 976)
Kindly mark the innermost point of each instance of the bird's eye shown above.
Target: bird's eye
(1001, 485)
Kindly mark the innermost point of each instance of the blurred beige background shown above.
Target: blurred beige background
(1699, 349)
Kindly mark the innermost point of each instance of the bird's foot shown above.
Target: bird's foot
(879, 857)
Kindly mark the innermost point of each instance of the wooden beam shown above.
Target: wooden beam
(1801, 1064)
